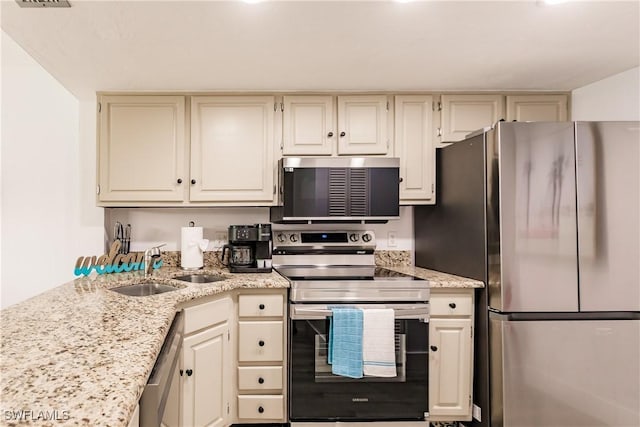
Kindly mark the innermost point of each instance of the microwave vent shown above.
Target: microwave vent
(338, 192)
(358, 192)
(43, 3)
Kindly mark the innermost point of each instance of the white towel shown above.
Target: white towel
(378, 342)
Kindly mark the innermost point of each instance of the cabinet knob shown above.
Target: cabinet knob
(261, 306)
(343, 133)
(401, 179)
(433, 348)
(330, 134)
(260, 380)
(261, 343)
(189, 372)
(260, 409)
(193, 181)
(452, 304)
(179, 180)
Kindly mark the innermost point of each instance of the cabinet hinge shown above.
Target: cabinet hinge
(228, 408)
(433, 189)
(228, 335)
(282, 106)
(387, 105)
(439, 106)
(274, 189)
(97, 189)
(439, 132)
(275, 106)
(99, 107)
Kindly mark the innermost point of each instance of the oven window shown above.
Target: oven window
(316, 394)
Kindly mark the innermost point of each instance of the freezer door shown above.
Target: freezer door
(565, 373)
(608, 183)
(537, 216)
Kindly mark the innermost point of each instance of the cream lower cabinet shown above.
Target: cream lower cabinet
(206, 366)
(261, 367)
(414, 146)
(451, 355)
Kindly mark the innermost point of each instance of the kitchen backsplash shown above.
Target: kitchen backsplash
(212, 258)
(153, 226)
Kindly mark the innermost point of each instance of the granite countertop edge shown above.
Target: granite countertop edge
(81, 354)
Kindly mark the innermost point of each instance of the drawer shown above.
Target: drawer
(207, 314)
(260, 341)
(451, 304)
(260, 378)
(267, 407)
(260, 305)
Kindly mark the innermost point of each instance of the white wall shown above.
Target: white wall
(152, 226)
(615, 98)
(48, 216)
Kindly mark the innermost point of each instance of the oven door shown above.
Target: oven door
(315, 394)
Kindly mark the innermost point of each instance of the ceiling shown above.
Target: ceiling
(327, 45)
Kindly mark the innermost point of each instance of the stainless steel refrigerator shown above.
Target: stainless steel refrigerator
(548, 216)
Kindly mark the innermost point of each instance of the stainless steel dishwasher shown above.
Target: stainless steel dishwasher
(155, 394)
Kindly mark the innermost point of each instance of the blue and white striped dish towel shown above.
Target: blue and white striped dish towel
(345, 342)
(378, 342)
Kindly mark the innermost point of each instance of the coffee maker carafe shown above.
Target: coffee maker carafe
(249, 248)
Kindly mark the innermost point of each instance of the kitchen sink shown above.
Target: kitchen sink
(200, 278)
(144, 289)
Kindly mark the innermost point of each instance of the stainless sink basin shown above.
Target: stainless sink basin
(200, 278)
(144, 289)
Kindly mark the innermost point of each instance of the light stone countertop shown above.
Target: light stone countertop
(83, 353)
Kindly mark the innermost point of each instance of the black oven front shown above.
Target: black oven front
(315, 394)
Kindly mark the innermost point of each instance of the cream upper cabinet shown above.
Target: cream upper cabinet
(359, 125)
(537, 108)
(142, 148)
(414, 146)
(363, 123)
(462, 114)
(232, 149)
(451, 355)
(207, 366)
(308, 125)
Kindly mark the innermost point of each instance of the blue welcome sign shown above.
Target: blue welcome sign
(113, 262)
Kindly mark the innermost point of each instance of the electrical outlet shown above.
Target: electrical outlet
(477, 412)
(391, 239)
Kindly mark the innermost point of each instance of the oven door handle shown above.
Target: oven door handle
(314, 312)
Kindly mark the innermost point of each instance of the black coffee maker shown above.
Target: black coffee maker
(249, 248)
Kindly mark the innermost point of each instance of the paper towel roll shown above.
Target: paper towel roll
(192, 248)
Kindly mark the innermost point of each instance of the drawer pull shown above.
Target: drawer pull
(189, 372)
(434, 348)
(261, 343)
(452, 304)
(260, 409)
(260, 380)
(261, 306)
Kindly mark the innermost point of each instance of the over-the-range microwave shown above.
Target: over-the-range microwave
(337, 189)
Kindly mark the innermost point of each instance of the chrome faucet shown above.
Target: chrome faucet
(149, 256)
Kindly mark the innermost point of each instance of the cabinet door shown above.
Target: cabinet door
(537, 108)
(308, 125)
(462, 114)
(450, 367)
(232, 148)
(171, 416)
(414, 146)
(142, 148)
(207, 377)
(363, 124)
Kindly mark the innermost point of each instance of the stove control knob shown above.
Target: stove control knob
(281, 237)
(353, 237)
(293, 238)
(366, 237)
